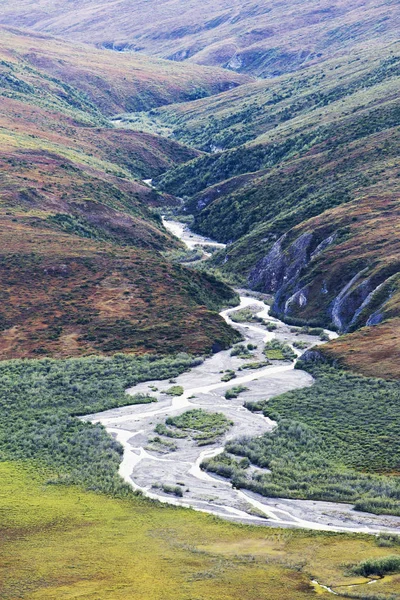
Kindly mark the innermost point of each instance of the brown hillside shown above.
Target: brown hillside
(81, 269)
(265, 38)
(64, 296)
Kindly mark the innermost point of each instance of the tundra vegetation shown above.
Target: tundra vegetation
(265, 40)
(338, 441)
(298, 175)
(200, 425)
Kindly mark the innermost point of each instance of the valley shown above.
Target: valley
(200, 300)
(150, 459)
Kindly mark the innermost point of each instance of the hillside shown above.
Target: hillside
(81, 246)
(301, 180)
(111, 81)
(263, 39)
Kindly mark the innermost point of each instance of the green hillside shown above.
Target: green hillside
(300, 182)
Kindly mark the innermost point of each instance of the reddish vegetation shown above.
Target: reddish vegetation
(80, 261)
(65, 296)
(372, 351)
(114, 82)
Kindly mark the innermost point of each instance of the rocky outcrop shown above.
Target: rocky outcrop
(280, 267)
(307, 291)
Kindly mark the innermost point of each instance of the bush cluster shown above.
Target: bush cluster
(40, 400)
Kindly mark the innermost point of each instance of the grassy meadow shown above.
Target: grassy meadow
(86, 545)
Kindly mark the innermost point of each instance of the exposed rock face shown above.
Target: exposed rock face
(280, 267)
(307, 291)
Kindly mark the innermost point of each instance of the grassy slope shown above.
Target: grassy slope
(325, 137)
(262, 39)
(79, 242)
(116, 82)
(84, 544)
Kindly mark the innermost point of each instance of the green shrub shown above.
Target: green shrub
(201, 425)
(142, 399)
(378, 566)
(244, 315)
(300, 345)
(275, 350)
(241, 351)
(39, 402)
(328, 437)
(235, 391)
(228, 376)
(255, 365)
(172, 489)
(175, 390)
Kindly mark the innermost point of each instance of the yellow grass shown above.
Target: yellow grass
(64, 543)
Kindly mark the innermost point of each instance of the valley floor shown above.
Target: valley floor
(147, 466)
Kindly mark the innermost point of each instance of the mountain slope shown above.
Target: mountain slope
(80, 246)
(309, 203)
(111, 81)
(264, 39)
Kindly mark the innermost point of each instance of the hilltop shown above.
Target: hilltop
(264, 39)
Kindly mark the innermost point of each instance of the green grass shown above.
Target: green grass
(202, 426)
(332, 442)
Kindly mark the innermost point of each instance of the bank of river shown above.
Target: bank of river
(146, 466)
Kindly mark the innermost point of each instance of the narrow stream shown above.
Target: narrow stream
(147, 468)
